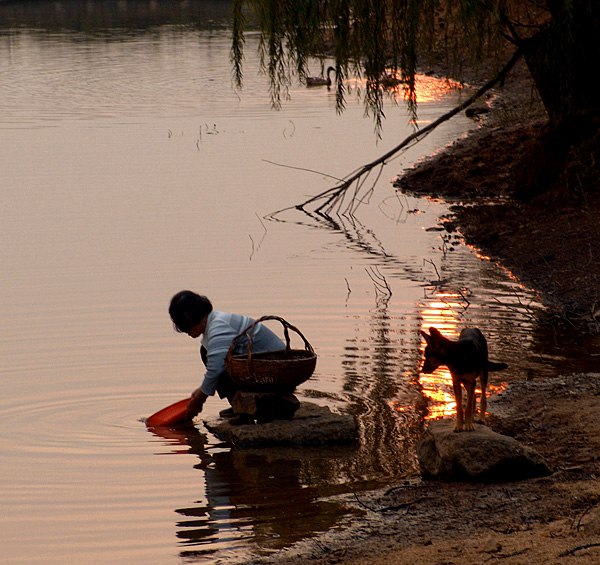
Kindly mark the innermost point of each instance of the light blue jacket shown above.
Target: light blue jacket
(221, 329)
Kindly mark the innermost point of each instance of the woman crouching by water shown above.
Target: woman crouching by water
(193, 314)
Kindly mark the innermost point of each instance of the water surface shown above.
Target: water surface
(132, 169)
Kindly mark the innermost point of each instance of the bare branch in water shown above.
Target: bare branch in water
(381, 284)
(252, 251)
(460, 291)
(526, 308)
(333, 198)
(302, 169)
(436, 270)
(261, 222)
(349, 291)
(257, 247)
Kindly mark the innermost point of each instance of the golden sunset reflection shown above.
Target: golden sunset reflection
(428, 88)
(398, 407)
(440, 313)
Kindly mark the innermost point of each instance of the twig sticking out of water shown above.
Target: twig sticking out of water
(349, 290)
(433, 265)
(302, 169)
(285, 134)
(445, 247)
(252, 251)
(261, 239)
(261, 222)
(464, 298)
(199, 140)
(381, 284)
(439, 281)
(525, 307)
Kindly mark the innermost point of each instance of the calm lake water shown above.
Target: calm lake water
(132, 169)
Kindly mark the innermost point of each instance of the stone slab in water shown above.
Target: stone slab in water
(479, 455)
(311, 425)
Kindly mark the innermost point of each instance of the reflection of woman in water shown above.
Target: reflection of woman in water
(277, 493)
(193, 314)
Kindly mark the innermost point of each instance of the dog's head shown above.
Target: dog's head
(433, 350)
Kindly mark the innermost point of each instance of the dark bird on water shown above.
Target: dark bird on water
(320, 81)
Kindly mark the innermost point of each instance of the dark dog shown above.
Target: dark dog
(467, 359)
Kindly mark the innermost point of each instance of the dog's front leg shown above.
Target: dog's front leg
(456, 386)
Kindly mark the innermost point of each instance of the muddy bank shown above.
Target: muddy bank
(550, 243)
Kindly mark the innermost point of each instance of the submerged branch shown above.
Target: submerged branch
(334, 196)
(302, 169)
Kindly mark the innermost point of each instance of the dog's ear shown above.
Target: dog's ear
(435, 333)
(426, 336)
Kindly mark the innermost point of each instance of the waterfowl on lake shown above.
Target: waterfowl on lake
(320, 81)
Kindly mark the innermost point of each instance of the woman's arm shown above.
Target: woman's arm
(196, 403)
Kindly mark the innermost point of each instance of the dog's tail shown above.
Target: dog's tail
(491, 366)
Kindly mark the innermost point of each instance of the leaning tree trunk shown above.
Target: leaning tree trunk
(563, 61)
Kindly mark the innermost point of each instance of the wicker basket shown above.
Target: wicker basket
(271, 371)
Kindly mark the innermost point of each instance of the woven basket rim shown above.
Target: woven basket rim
(304, 353)
(289, 366)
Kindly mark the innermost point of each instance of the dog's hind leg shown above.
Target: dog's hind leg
(483, 379)
(470, 411)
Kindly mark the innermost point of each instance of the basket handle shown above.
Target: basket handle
(286, 327)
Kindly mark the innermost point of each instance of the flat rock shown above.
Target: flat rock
(480, 455)
(311, 425)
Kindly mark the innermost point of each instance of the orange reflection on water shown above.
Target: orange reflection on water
(397, 406)
(487, 258)
(432, 88)
(428, 88)
(437, 387)
(442, 314)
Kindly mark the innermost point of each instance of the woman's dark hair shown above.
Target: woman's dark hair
(187, 309)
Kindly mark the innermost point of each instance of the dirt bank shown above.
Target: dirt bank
(552, 245)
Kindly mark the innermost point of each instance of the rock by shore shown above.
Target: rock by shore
(476, 456)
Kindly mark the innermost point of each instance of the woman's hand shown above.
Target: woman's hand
(195, 404)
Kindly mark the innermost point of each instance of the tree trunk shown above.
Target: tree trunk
(563, 59)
